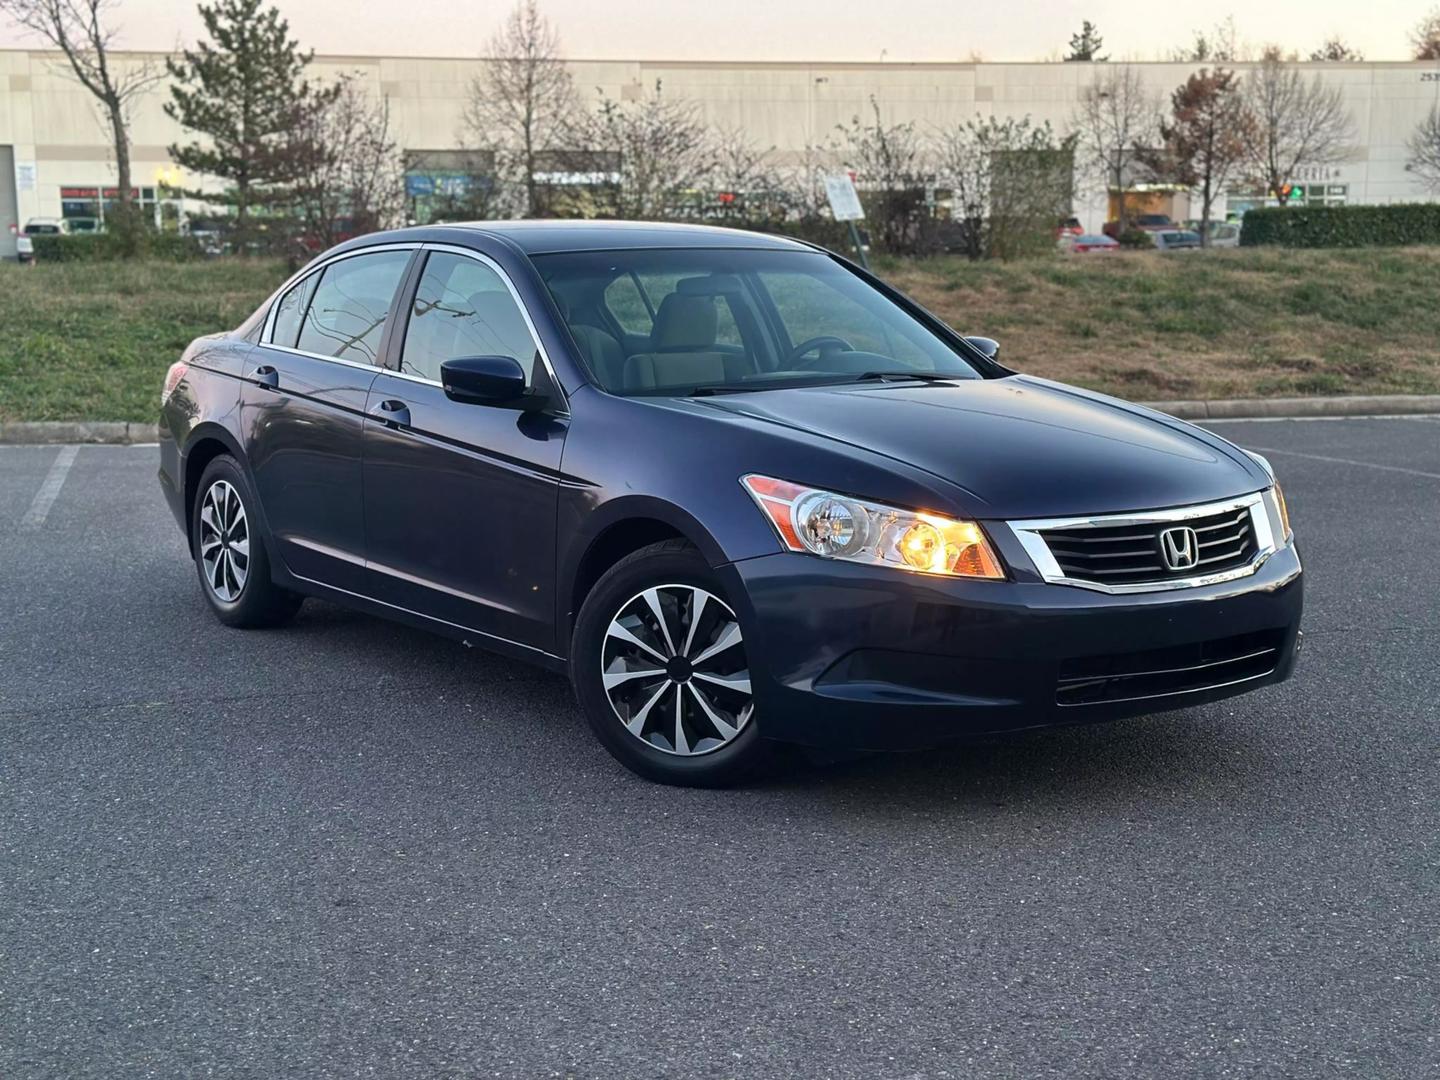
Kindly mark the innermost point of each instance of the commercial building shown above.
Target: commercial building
(54, 159)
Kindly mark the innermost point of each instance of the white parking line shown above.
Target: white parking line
(1348, 461)
(50, 489)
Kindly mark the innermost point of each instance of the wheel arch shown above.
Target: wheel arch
(621, 528)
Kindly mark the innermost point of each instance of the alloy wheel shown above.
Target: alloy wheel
(673, 667)
(224, 541)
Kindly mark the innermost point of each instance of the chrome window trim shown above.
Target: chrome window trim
(1028, 532)
(269, 324)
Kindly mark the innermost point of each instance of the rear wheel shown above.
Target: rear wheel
(659, 665)
(230, 555)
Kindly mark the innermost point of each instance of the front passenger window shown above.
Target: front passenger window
(347, 314)
(463, 308)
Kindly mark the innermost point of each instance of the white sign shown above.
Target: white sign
(844, 199)
(25, 175)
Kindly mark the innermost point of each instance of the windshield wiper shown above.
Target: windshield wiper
(723, 388)
(901, 376)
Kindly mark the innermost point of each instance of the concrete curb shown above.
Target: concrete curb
(1289, 408)
(66, 431)
(121, 433)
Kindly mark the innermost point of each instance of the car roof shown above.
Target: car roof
(548, 237)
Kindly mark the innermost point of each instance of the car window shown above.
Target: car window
(743, 319)
(463, 308)
(658, 286)
(623, 299)
(346, 316)
(811, 308)
(289, 310)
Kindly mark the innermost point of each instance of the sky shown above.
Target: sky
(829, 30)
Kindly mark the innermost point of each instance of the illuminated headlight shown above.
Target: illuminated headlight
(1275, 503)
(840, 527)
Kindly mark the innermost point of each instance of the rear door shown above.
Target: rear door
(460, 499)
(303, 405)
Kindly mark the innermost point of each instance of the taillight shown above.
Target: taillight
(172, 379)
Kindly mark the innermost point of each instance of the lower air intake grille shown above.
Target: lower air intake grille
(1130, 554)
(1160, 672)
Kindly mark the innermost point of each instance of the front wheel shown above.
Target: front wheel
(230, 554)
(659, 665)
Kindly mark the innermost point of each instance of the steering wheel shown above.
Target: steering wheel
(825, 343)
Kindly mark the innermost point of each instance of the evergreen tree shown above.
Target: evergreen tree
(245, 92)
(1087, 44)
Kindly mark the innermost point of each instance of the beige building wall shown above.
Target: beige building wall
(58, 138)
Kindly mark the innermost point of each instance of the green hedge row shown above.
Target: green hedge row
(1342, 226)
(103, 247)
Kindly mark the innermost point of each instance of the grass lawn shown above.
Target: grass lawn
(91, 342)
(1252, 322)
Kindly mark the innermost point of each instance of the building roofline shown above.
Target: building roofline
(857, 65)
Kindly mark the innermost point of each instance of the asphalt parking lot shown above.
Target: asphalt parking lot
(350, 849)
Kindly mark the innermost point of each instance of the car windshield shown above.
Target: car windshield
(719, 321)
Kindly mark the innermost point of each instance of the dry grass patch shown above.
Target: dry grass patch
(1235, 323)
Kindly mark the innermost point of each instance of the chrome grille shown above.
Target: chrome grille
(1125, 554)
(1152, 550)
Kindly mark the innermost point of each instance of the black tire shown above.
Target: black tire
(670, 563)
(246, 596)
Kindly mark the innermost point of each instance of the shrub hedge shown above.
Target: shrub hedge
(104, 247)
(1342, 226)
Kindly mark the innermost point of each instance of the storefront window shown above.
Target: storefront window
(85, 207)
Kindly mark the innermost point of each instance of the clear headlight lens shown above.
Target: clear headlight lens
(840, 527)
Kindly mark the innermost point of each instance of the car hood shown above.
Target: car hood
(1018, 447)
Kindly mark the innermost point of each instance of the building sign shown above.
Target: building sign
(456, 185)
(25, 175)
(844, 199)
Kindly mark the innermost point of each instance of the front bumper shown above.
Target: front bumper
(843, 655)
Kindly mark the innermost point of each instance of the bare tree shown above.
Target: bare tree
(748, 187)
(1221, 45)
(1116, 120)
(522, 102)
(1207, 136)
(1296, 122)
(1010, 181)
(889, 161)
(1424, 148)
(353, 180)
(78, 29)
(662, 153)
(1426, 36)
(1336, 50)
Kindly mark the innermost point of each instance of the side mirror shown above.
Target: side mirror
(483, 380)
(989, 346)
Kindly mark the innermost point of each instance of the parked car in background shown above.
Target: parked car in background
(85, 226)
(1086, 243)
(24, 248)
(1144, 222)
(47, 226)
(739, 490)
(1175, 239)
(1069, 226)
(1224, 234)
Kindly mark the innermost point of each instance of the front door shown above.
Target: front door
(303, 407)
(460, 499)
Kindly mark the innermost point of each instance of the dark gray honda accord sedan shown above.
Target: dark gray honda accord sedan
(742, 491)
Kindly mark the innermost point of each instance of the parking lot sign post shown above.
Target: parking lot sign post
(845, 205)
